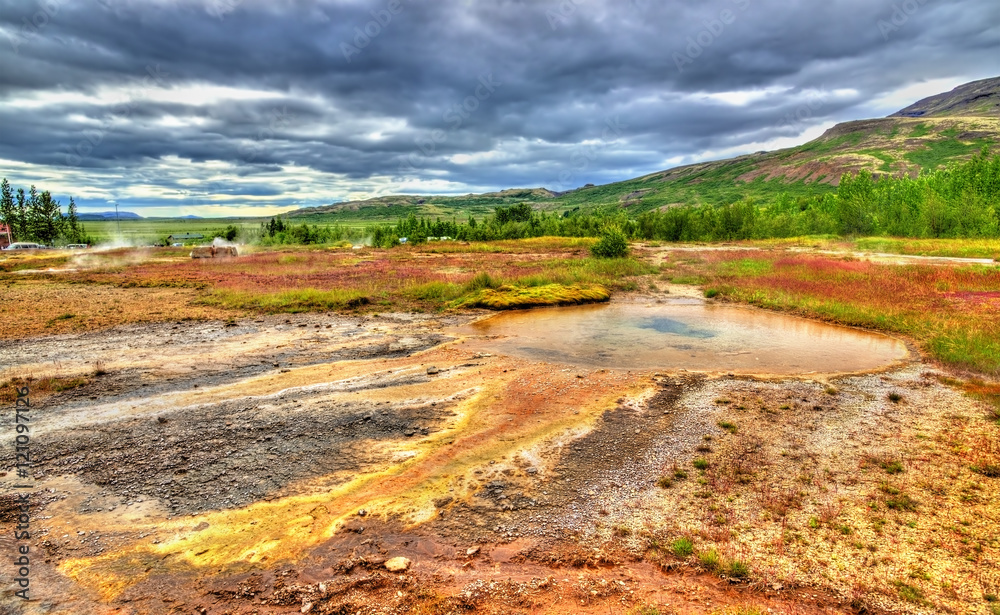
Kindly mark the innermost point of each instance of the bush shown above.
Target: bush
(613, 244)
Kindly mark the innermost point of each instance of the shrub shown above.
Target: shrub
(711, 293)
(664, 482)
(612, 244)
(700, 463)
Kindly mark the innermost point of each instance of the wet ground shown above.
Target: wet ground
(277, 465)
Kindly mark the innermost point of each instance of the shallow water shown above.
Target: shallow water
(684, 335)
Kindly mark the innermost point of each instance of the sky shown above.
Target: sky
(247, 107)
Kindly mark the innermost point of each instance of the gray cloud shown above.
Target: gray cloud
(187, 103)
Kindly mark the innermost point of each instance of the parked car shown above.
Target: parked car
(77, 246)
(24, 245)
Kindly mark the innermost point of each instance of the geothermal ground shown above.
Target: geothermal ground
(284, 464)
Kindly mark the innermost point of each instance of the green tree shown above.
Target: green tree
(21, 204)
(74, 232)
(46, 217)
(8, 210)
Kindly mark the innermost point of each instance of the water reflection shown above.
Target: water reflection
(693, 337)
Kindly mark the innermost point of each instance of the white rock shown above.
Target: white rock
(397, 564)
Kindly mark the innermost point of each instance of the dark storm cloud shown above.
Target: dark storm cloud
(375, 95)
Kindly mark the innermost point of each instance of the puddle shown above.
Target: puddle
(695, 337)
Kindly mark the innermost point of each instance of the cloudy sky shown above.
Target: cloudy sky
(223, 107)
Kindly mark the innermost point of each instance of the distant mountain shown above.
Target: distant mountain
(926, 135)
(190, 217)
(979, 98)
(108, 215)
(444, 206)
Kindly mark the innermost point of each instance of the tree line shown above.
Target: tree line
(959, 201)
(36, 217)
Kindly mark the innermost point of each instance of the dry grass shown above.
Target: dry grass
(33, 307)
(39, 388)
(865, 493)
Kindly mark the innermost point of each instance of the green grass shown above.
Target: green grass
(937, 153)
(700, 463)
(909, 593)
(710, 560)
(516, 297)
(738, 569)
(960, 248)
(730, 427)
(290, 301)
(682, 547)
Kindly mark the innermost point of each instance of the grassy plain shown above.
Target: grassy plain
(952, 312)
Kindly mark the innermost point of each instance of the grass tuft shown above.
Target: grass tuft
(512, 297)
(730, 427)
(738, 569)
(710, 560)
(682, 547)
(909, 592)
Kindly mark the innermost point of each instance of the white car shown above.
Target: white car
(24, 245)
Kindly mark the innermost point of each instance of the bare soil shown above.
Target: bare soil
(275, 464)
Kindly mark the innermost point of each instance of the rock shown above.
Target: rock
(307, 607)
(161, 420)
(397, 564)
(362, 512)
(432, 370)
(471, 551)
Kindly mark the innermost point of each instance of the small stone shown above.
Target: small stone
(161, 420)
(397, 564)
(471, 551)
(432, 370)
(362, 512)
(307, 607)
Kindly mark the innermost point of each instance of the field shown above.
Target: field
(270, 433)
